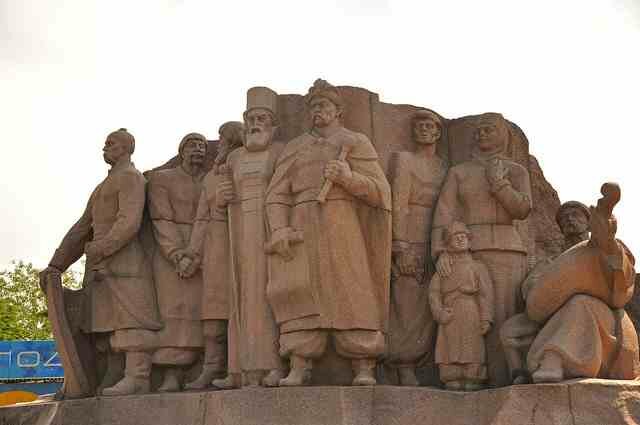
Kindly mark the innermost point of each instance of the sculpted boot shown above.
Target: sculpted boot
(114, 372)
(364, 370)
(300, 373)
(233, 380)
(214, 365)
(273, 378)
(407, 376)
(550, 369)
(172, 380)
(136, 375)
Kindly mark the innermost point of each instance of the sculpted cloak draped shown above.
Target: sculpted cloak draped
(125, 298)
(339, 276)
(173, 201)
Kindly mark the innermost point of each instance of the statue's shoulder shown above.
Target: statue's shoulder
(162, 176)
(362, 147)
(514, 167)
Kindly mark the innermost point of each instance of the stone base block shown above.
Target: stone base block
(578, 402)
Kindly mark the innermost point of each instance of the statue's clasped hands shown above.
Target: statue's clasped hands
(186, 262)
(338, 171)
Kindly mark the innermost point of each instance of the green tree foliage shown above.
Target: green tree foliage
(23, 306)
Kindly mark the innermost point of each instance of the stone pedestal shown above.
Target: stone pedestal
(579, 402)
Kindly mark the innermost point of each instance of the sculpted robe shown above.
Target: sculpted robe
(124, 298)
(339, 276)
(173, 200)
(253, 333)
(416, 184)
(469, 294)
(467, 197)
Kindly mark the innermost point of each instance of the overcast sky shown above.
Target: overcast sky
(567, 72)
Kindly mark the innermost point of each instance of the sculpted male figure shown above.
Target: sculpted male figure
(488, 193)
(573, 219)
(205, 248)
(328, 211)
(417, 178)
(120, 307)
(253, 333)
(173, 201)
(518, 332)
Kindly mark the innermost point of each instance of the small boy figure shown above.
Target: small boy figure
(462, 304)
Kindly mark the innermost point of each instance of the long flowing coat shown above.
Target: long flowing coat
(339, 277)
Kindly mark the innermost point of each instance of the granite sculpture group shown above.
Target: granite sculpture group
(302, 261)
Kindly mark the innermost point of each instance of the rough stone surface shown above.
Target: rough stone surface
(578, 402)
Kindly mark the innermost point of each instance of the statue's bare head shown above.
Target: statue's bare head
(324, 103)
(118, 145)
(427, 127)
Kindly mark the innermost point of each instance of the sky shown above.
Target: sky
(567, 72)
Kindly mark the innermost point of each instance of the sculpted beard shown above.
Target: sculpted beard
(257, 139)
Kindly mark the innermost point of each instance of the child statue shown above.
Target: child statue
(462, 304)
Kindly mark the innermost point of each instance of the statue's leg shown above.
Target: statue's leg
(137, 345)
(451, 376)
(215, 349)
(301, 347)
(363, 347)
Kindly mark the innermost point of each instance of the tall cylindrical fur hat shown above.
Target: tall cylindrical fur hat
(262, 97)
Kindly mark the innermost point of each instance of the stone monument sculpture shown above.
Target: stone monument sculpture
(329, 220)
(462, 303)
(173, 199)
(578, 301)
(488, 193)
(253, 332)
(416, 180)
(211, 226)
(120, 309)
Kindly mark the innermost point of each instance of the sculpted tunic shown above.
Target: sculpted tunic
(253, 333)
(124, 298)
(467, 196)
(173, 199)
(469, 294)
(339, 276)
(416, 184)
